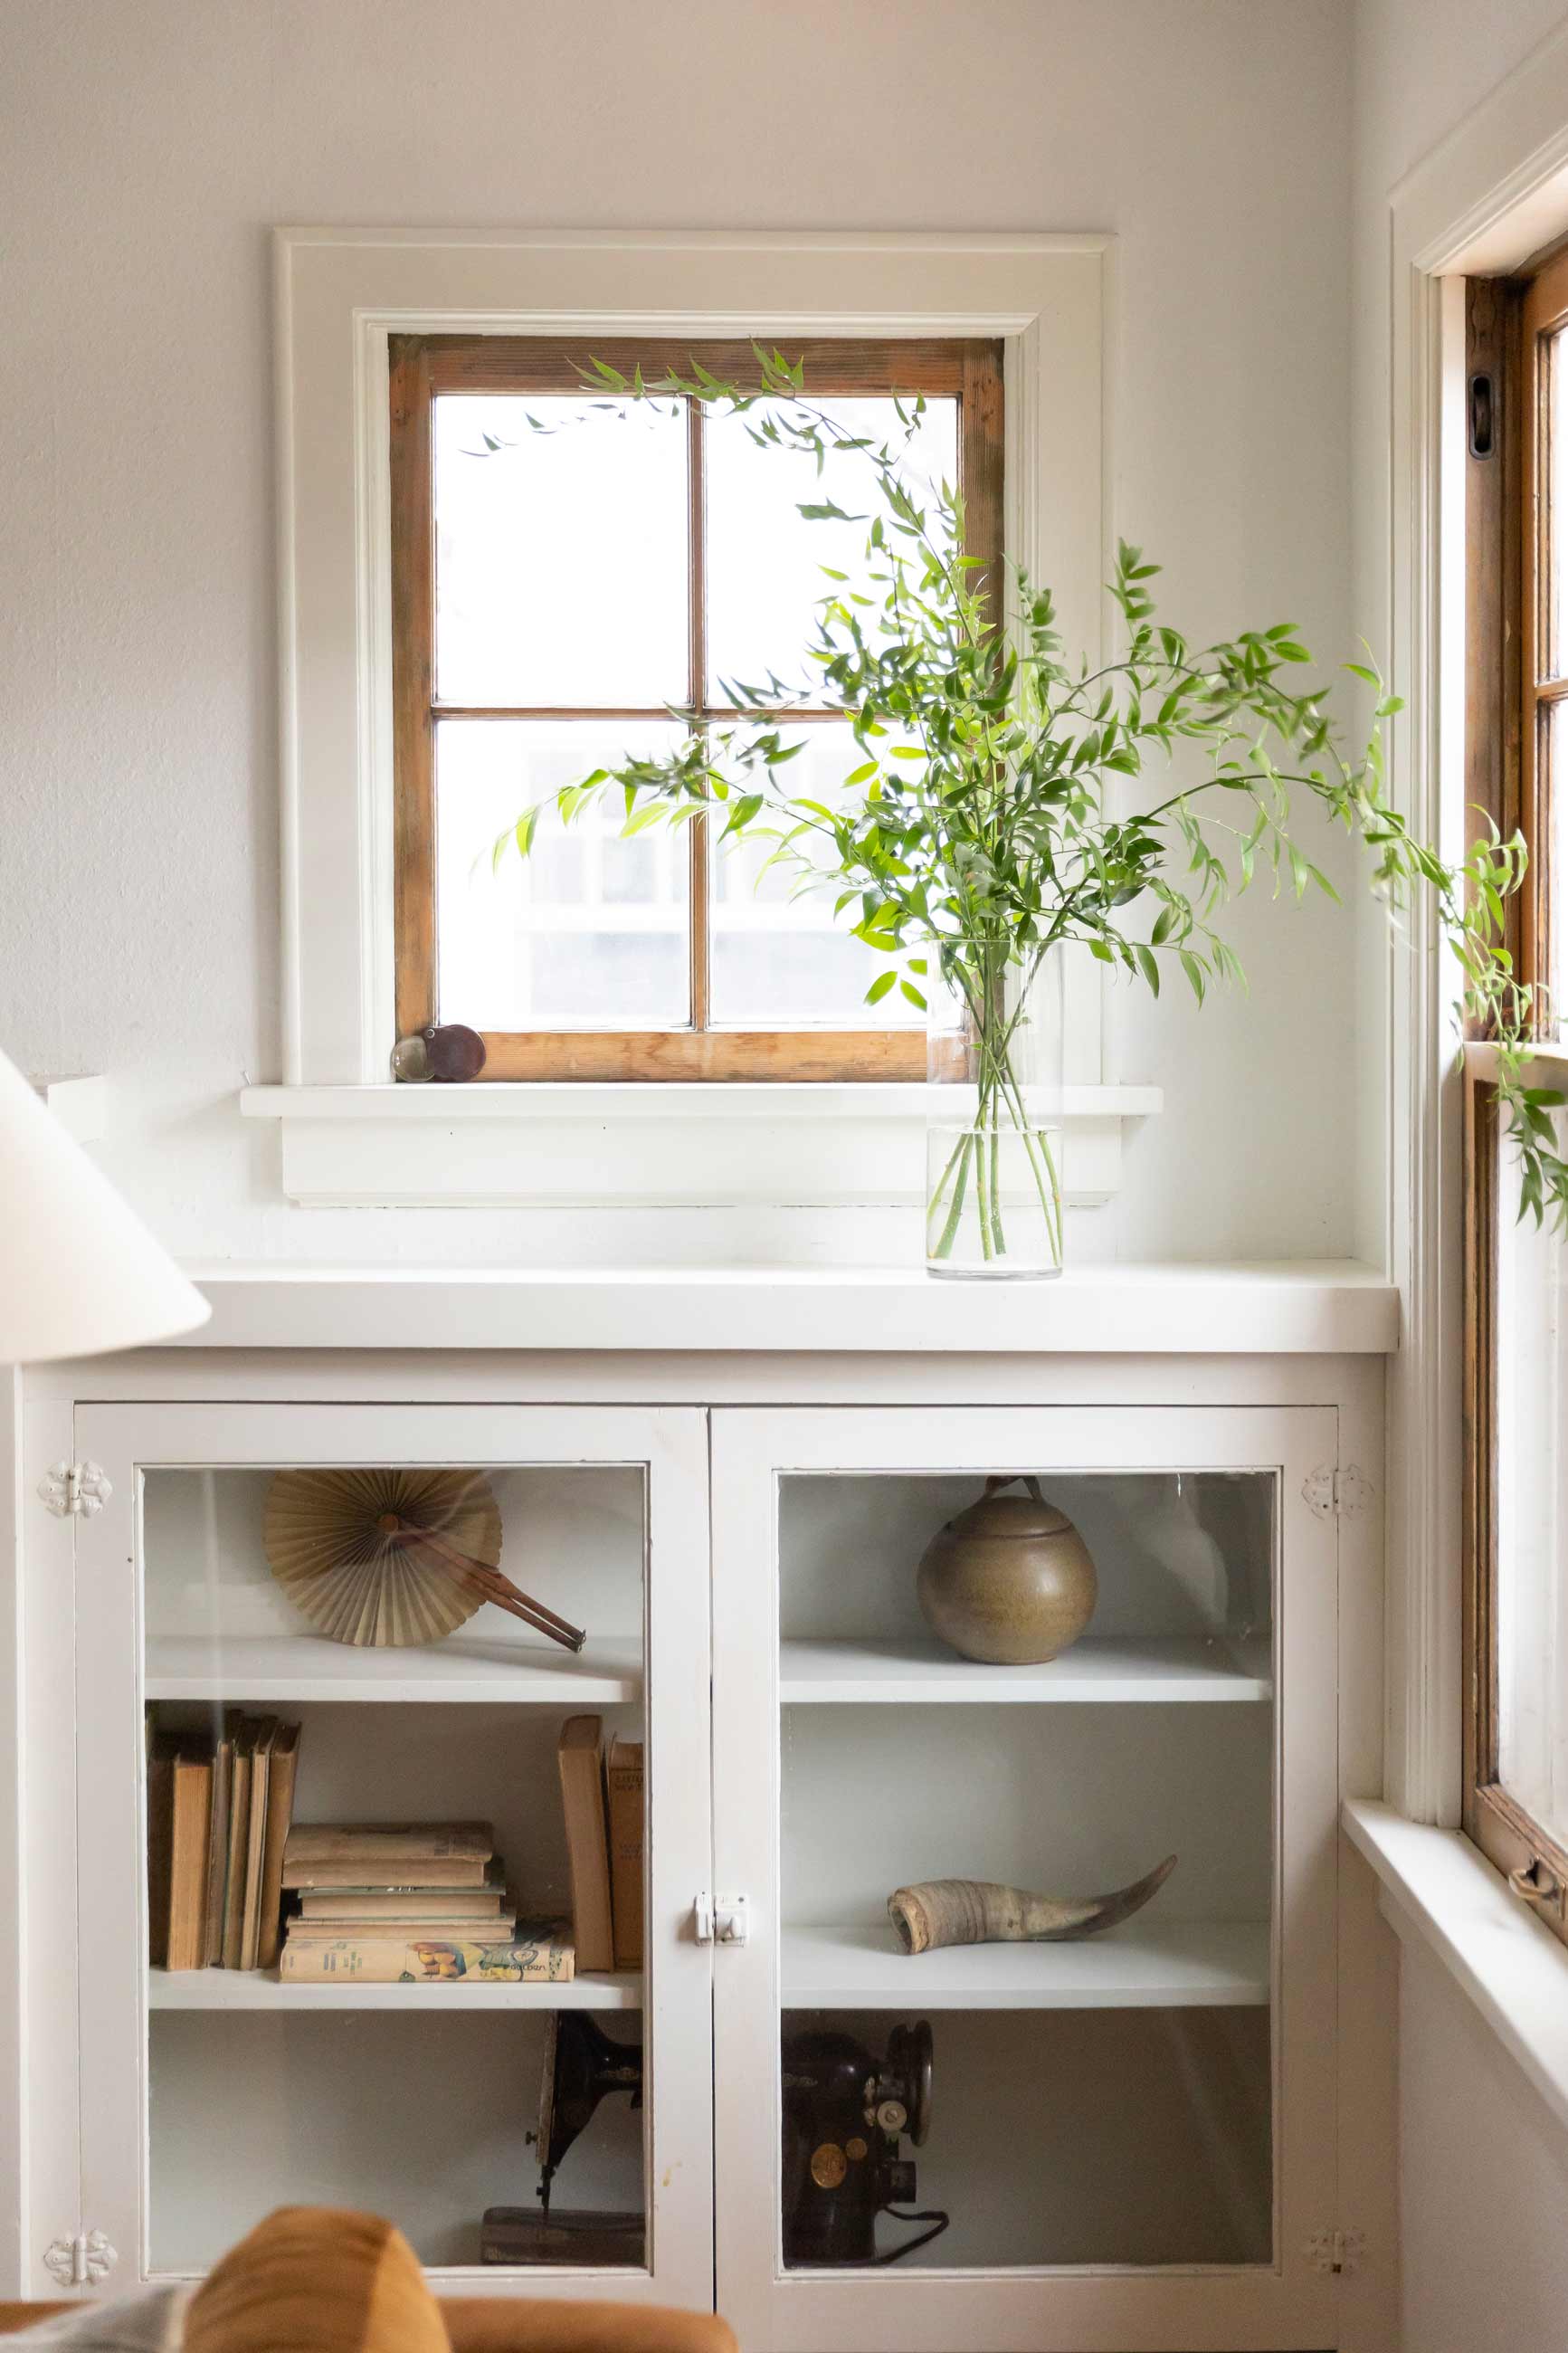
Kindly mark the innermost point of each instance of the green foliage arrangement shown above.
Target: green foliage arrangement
(981, 824)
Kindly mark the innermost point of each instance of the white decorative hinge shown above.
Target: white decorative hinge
(80, 2261)
(722, 1919)
(1338, 2252)
(1327, 1491)
(75, 1490)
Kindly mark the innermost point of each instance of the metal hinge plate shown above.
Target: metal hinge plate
(1329, 1493)
(81, 2261)
(75, 1490)
(1338, 2252)
(722, 1919)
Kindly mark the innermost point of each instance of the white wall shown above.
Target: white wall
(149, 145)
(1484, 2167)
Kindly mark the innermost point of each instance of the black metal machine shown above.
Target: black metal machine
(845, 2115)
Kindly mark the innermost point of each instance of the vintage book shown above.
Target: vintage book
(478, 1904)
(581, 1756)
(264, 1732)
(350, 1871)
(566, 2234)
(384, 1843)
(236, 1727)
(539, 1954)
(218, 1851)
(624, 1800)
(282, 1765)
(161, 1750)
(190, 1829)
(499, 1929)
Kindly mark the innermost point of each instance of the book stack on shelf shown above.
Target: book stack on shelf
(386, 1902)
(602, 1795)
(219, 1805)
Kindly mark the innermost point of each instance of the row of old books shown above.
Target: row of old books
(219, 1803)
(602, 1797)
(394, 1903)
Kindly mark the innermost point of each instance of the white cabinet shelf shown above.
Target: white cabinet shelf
(228, 1989)
(300, 1667)
(1178, 1965)
(864, 1670)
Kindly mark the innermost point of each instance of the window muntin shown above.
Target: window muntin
(619, 574)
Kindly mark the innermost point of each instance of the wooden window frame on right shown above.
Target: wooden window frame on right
(1509, 689)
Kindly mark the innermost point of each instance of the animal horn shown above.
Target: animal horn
(981, 1912)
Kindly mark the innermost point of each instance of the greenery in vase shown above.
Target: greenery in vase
(998, 804)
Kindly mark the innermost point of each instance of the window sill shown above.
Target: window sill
(1438, 1892)
(559, 1145)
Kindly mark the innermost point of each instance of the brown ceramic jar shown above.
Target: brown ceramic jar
(1009, 1582)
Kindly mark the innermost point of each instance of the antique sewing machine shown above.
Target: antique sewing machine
(846, 2113)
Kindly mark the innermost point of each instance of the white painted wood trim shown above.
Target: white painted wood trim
(1438, 1891)
(1331, 1307)
(1493, 191)
(339, 291)
(568, 1147)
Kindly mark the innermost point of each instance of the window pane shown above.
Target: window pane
(1533, 1510)
(588, 931)
(1553, 553)
(561, 556)
(764, 559)
(778, 961)
(1554, 762)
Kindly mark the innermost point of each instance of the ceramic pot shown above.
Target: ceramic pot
(1009, 1582)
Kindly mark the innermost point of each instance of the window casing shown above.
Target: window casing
(1516, 1276)
(700, 1046)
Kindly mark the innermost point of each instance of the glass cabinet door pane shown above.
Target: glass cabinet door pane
(1079, 2088)
(378, 1976)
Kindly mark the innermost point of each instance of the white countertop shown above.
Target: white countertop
(1297, 1307)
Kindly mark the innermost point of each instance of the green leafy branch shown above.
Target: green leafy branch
(979, 823)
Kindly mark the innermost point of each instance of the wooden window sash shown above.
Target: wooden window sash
(1509, 694)
(422, 367)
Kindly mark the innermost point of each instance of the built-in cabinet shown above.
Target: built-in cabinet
(1126, 2141)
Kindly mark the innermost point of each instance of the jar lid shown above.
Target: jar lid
(1016, 1516)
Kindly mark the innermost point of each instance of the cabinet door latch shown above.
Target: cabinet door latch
(1338, 2252)
(722, 1919)
(1331, 1494)
(75, 1491)
(80, 2261)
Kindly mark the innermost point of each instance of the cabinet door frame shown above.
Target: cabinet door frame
(670, 1445)
(1195, 2309)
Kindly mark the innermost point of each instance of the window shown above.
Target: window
(1516, 1650)
(568, 572)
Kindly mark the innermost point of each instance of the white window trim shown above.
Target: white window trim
(1493, 194)
(338, 292)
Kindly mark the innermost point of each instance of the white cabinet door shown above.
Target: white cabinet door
(1131, 2141)
(210, 2095)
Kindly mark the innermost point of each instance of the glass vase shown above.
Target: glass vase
(994, 1135)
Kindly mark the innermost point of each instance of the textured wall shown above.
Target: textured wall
(149, 144)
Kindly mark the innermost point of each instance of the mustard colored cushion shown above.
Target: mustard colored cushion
(317, 2279)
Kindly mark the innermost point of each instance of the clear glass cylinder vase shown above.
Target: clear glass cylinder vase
(993, 1138)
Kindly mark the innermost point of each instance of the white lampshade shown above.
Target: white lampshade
(80, 1274)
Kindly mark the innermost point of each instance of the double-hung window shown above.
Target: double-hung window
(1516, 1650)
(578, 576)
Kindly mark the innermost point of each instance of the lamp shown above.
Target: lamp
(79, 1273)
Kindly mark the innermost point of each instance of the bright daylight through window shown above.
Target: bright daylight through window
(569, 572)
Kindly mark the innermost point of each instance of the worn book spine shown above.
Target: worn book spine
(624, 1789)
(540, 1954)
(580, 1755)
(472, 1904)
(218, 1853)
(497, 1931)
(192, 1827)
(382, 1842)
(265, 1732)
(445, 1871)
(239, 1850)
(282, 1767)
(162, 1752)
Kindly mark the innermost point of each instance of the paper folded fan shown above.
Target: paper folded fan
(392, 1557)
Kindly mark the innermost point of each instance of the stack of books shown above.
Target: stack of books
(389, 1903)
(602, 1797)
(218, 1810)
